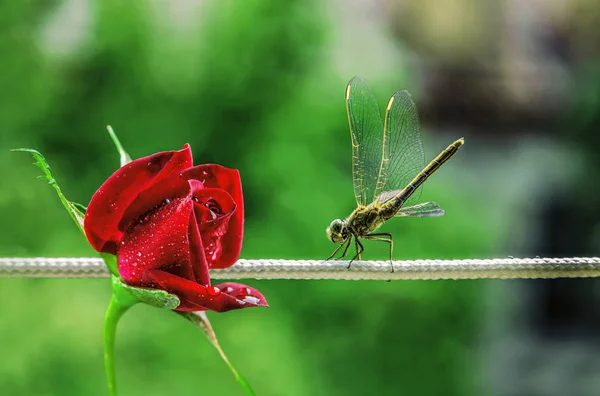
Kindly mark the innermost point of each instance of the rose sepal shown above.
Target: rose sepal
(154, 297)
(111, 263)
(76, 211)
(124, 157)
(200, 319)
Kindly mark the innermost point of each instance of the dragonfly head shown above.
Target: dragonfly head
(337, 231)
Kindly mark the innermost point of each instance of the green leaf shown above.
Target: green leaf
(124, 156)
(76, 211)
(200, 319)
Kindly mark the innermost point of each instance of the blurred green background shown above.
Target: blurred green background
(258, 86)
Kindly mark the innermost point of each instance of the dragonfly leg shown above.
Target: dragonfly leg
(347, 243)
(377, 237)
(336, 250)
(347, 247)
(359, 249)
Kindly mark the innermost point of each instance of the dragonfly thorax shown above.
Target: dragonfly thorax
(338, 231)
(365, 219)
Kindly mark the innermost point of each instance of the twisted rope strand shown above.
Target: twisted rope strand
(505, 268)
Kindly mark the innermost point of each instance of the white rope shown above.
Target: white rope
(575, 267)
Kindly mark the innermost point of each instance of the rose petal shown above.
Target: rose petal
(198, 260)
(213, 208)
(112, 199)
(195, 297)
(216, 176)
(244, 293)
(167, 189)
(161, 240)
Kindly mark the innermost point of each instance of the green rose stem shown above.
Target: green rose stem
(123, 298)
(120, 303)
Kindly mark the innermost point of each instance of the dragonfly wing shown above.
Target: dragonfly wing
(366, 131)
(387, 195)
(427, 209)
(402, 157)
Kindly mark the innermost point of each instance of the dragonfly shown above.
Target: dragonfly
(388, 168)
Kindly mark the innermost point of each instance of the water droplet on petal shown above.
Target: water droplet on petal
(252, 300)
(213, 291)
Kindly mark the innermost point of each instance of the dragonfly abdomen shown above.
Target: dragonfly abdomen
(418, 180)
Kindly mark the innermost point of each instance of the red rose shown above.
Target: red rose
(168, 222)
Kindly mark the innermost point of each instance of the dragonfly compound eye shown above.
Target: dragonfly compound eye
(336, 231)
